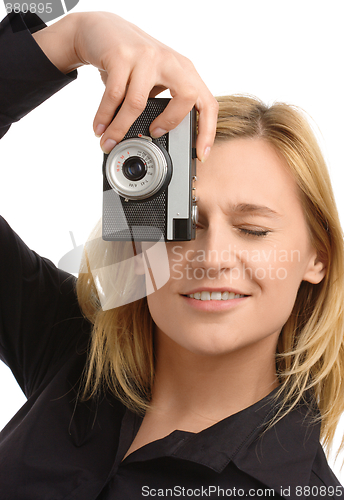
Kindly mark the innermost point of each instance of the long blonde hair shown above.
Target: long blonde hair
(310, 353)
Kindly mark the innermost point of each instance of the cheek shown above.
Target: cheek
(164, 314)
(163, 303)
(278, 281)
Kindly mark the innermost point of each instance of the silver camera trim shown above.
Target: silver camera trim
(154, 159)
(180, 150)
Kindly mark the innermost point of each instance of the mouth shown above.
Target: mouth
(205, 295)
(214, 300)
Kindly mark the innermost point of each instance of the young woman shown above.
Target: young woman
(222, 381)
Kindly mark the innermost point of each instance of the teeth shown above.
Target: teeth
(215, 295)
(205, 296)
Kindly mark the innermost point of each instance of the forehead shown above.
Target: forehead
(246, 171)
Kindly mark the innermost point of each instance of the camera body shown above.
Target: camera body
(148, 184)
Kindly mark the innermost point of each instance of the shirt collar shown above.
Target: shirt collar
(281, 457)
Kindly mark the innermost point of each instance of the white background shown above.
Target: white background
(277, 50)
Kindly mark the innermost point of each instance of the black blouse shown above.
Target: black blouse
(57, 447)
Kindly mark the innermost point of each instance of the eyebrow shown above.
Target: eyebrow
(251, 209)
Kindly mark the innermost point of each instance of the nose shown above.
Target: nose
(215, 251)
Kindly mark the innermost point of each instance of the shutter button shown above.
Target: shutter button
(195, 214)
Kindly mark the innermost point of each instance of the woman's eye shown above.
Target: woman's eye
(248, 232)
(254, 232)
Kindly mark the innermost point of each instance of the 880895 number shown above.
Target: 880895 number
(319, 491)
(35, 8)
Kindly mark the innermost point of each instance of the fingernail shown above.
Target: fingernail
(205, 154)
(100, 129)
(108, 145)
(158, 132)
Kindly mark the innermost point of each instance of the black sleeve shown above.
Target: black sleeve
(41, 324)
(40, 320)
(27, 76)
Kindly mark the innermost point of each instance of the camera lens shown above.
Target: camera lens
(138, 169)
(134, 168)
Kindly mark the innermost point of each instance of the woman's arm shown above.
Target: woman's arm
(133, 66)
(27, 77)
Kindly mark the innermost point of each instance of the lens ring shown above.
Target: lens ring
(158, 169)
(134, 168)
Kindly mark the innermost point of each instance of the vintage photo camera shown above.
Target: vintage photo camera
(148, 184)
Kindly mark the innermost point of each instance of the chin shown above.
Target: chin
(205, 344)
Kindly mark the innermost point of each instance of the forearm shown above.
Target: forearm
(58, 43)
(27, 77)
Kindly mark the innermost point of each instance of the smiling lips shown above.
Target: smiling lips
(218, 295)
(212, 301)
(205, 295)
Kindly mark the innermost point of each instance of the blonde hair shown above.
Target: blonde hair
(310, 353)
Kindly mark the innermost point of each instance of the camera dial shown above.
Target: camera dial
(137, 168)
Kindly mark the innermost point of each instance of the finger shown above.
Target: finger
(179, 75)
(185, 79)
(133, 105)
(173, 114)
(113, 96)
(208, 109)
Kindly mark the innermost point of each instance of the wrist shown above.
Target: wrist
(58, 43)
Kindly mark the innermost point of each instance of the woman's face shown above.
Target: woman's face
(252, 240)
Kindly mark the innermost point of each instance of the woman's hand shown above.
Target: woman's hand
(134, 66)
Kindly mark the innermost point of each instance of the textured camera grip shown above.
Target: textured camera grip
(141, 125)
(150, 215)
